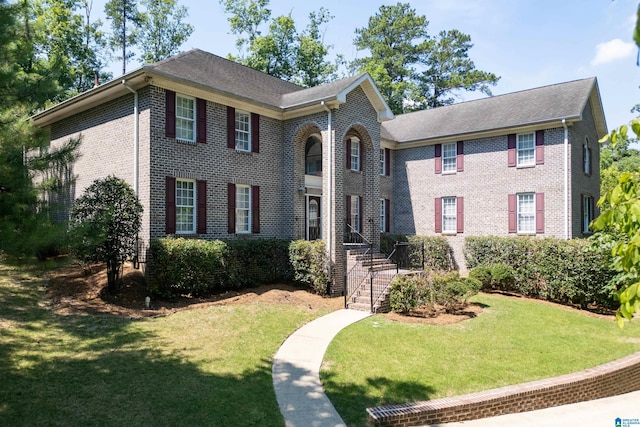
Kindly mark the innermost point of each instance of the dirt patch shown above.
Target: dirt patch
(73, 291)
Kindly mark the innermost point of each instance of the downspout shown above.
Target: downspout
(566, 179)
(330, 182)
(136, 136)
(136, 149)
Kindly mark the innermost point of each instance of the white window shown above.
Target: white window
(185, 118)
(185, 206)
(243, 209)
(587, 213)
(355, 213)
(382, 162)
(586, 156)
(526, 213)
(449, 157)
(355, 155)
(526, 149)
(383, 215)
(243, 131)
(449, 219)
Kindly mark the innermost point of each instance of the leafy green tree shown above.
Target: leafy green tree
(281, 51)
(395, 37)
(448, 69)
(104, 226)
(412, 70)
(162, 30)
(25, 161)
(124, 17)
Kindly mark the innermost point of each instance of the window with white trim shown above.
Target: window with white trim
(383, 215)
(355, 154)
(383, 167)
(449, 219)
(587, 213)
(586, 157)
(355, 213)
(449, 157)
(526, 212)
(243, 131)
(185, 118)
(526, 149)
(243, 208)
(185, 206)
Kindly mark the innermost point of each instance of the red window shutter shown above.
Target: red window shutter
(460, 156)
(170, 114)
(539, 213)
(201, 124)
(460, 215)
(231, 206)
(170, 205)
(387, 215)
(201, 196)
(255, 209)
(349, 211)
(255, 133)
(231, 129)
(438, 158)
(387, 162)
(438, 215)
(511, 150)
(539, 147)
(348, 146)
(360, 214)
(513, 220)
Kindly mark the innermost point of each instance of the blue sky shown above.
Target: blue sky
(529, 43)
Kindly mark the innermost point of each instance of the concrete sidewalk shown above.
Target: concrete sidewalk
(296, 371)
(593, 413)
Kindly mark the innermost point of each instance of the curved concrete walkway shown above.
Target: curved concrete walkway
(296, 371)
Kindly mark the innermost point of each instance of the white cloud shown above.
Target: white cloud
(612, 50)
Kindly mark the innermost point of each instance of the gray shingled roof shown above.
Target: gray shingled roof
(528, 107)
(317, 93)
(223, 75)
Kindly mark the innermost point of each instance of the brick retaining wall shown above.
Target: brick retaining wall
(611, 379)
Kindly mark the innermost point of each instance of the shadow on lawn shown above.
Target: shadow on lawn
(99, 370)
(351, 401)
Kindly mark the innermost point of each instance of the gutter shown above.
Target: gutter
(566, 179)
(330, 185)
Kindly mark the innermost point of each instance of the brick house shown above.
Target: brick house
(218, 150)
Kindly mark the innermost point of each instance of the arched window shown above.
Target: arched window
(313, 157)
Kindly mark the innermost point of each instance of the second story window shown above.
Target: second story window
(526, 149)
(185, 118)
(355, 155)
(243, 131)
(449, 157)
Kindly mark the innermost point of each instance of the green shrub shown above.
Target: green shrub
(482, 273)
(204, 267)
(566, 271)
(309, 263)
(407, 292)
(449, 290)
(434, 250)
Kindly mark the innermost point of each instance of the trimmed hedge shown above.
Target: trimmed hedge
(309, 262)
(565, 271)
(410, 291)
(437, 252)
(204, 267)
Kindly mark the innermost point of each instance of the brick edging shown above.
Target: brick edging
(610, 379)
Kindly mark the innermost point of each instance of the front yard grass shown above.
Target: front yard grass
(378, 361)
(209, 366)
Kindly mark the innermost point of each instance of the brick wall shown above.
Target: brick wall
(611, 379)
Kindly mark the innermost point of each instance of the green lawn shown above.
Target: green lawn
(378, 362)
(209, 366)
